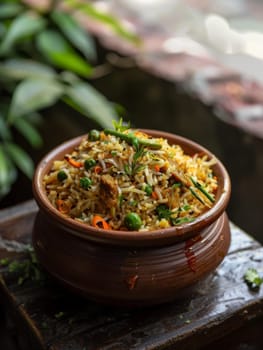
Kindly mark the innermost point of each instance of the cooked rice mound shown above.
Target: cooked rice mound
(111, 177)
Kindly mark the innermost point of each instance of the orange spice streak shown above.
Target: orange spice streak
(154, 195)
(131, 281)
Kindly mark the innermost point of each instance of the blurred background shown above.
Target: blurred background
(192, 68)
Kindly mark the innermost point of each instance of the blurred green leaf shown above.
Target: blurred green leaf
(8, 172)
(10, 10)
(105, 18)
(74, 105)
(78, 37)
(23, 26)
(120, 110)
(2, 30)
(69, 77)
(35, 118)
(29, 132)
(33, 94)
(4, 174)
(5, 133)
(20, 158)
(91, 103)
(20, 68)
(57, 50)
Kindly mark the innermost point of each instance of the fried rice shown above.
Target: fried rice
(110, 178)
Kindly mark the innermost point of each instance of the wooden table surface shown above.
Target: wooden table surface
(46, 316)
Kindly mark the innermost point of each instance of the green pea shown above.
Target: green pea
(62, 175)
(148, 189)
(85, 182)
(132, 221)
(94, 135)
(89, 163)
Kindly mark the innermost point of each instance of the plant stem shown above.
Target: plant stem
(133, 140)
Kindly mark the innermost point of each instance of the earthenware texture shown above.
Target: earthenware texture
(127, 267)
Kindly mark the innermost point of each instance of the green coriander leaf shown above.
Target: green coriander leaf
(252, 278)
(4, 262)
(163, 212)
(120, 126)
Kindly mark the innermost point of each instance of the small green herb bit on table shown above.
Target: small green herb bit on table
(252, 279)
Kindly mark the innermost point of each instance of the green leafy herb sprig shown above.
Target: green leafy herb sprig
(120, 125)
(202, 189)
(253, 279)
(26, 269)
(163, 212)
(135, 167)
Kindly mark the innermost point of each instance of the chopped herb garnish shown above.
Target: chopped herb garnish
(202, 189)
(163, 212)
(62, 175)
(4, 262)
(176, 185)
(181, 220)
(186, 207)
(120, 200)
(120, 126)
(44, 325)
(252, 279)
(85, 183)
(135, 166)
(133, 203)
(59, 314)
(196, 195)
(27, 269)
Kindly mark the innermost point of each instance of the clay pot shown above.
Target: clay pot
(130, 268)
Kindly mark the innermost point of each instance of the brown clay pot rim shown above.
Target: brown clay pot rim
(177, 233)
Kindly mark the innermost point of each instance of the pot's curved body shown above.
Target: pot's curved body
(129, 275)
(130, 268)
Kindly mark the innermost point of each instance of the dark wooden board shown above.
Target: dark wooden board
(49, 317)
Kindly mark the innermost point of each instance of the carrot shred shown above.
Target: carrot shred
(154, 195)
(99, 222)
(157, 167)
(62, 206)
(97, 169)
(131, 281)
(73, 162)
